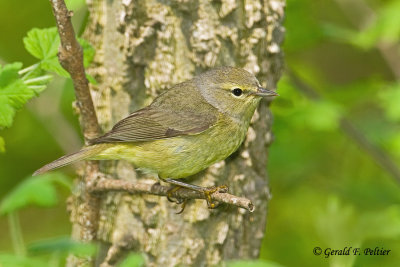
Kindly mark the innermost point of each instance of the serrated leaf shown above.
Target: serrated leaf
(13, 93)
(2, 145)
(9, 73)
(6, 113)
(53, 65)
(42, 43)
(38, 190)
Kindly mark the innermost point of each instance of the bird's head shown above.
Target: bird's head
(233, 91)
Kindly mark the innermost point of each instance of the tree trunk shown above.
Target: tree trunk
(143, 47)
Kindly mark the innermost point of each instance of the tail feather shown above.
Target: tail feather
(84, 153)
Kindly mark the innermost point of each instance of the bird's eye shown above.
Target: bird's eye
(237, 92)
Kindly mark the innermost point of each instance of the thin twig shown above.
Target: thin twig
(71, 58)
(381, 157)
(107, 185)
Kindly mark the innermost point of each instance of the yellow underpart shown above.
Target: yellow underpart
(181, 156)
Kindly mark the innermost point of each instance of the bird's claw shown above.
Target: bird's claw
(176, 199)
(208, 191)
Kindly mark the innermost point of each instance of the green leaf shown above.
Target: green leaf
(42, 43)
(91, 79)
(9, 260)
(2, 145)
(13, 93)
(88, 52)
(38, 190)
(6, 113)
(53, 65)
(9, 73)
(62, 244)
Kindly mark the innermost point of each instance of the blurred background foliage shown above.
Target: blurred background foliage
(333, 168)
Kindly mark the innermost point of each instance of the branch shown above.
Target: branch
(104, 185)
(71, 58)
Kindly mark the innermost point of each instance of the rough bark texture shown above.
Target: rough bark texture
(144, 47)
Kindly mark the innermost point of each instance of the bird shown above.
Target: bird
(187, 128)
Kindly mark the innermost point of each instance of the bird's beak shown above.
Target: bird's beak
(265, 92)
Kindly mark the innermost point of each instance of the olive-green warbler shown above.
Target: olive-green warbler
(184, 130)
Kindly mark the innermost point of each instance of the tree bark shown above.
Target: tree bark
(144, 47)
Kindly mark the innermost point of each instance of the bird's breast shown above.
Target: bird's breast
(182, 156)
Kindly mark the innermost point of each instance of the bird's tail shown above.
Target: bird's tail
(84, 153)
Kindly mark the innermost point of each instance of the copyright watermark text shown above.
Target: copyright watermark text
(327, 252)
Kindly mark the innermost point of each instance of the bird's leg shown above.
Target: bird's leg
(207, 191)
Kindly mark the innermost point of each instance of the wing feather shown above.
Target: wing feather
(154, 123)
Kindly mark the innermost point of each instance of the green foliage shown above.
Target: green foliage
(329, 191)
(321, 115)
(50, 252)
(38, 190)
(384, 29)
(11, 260)
(133, 260)
(63, 245)
(390, 101)
(340, 225)
(18, 85)
(44, 43)
(14, 93)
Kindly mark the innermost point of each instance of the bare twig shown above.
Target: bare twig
(107, 185)
(71, 58)
(381, 157)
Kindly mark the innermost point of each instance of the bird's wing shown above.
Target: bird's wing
(155, 123)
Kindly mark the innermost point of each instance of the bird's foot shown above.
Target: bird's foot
(207, 191)
(175, 199)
